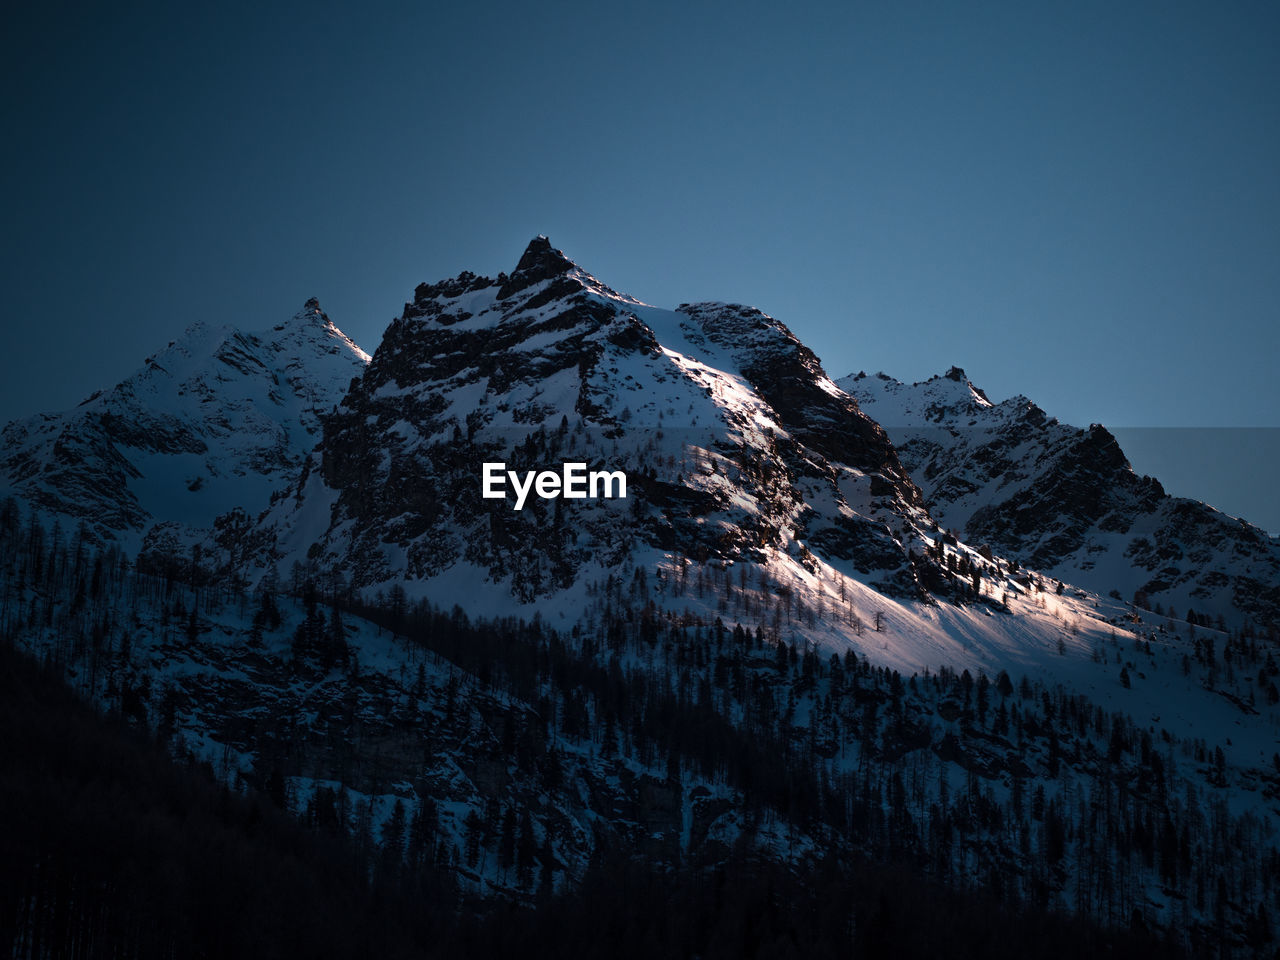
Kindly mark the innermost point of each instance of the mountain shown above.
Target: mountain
(1066, 501)
(218, 420)
(800, 643)
(759, 492)
(736, 445)
(478, 771)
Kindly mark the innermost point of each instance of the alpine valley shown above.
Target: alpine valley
(855, 667)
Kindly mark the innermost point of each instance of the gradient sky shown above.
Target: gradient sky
(1079, 205)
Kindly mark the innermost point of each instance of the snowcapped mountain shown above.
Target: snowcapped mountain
(760, 492)
(769, 648)
(736, 445)
(740, 453)
(218, 420)
(1065, 500)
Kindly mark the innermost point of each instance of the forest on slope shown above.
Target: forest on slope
(784, 768)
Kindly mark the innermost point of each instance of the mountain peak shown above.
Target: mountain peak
(306, 318)
(540, 261)
(540, 255)
(311, 312)
(957, 375)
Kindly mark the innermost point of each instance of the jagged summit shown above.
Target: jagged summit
(930, 401)
(541, 266)
(307, 330)
(540, 261)
(957, 375)
(311, 315)
(726, 422)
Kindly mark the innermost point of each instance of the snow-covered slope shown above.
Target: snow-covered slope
(779, 565)
(678, 737)
(219, 419)
(760, 491)
(735, 443)
(1066, 501)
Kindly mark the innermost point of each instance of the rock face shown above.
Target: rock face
(735, 443)
(219, 419)
(1065, 500)
(733, 439)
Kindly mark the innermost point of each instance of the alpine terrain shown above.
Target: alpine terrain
(217, 420)
(1067, 502)
(852, 667)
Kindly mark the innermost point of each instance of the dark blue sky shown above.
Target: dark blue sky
(1080, 205)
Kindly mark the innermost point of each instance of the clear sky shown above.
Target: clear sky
(1081, 205)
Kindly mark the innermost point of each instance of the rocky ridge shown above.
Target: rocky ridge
(1065, 500)
(735, 442)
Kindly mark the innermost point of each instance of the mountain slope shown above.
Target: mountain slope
(768, 649)
(219, 419)
(734, 441)
(1066, 501)
(514, 756)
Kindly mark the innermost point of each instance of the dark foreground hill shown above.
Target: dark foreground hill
(113, 849)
